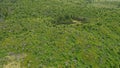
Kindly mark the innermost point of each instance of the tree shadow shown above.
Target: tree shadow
(67, 20)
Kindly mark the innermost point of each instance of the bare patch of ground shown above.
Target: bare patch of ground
(14, 60)
(12, 65)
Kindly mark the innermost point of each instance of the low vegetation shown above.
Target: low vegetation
(59, 34)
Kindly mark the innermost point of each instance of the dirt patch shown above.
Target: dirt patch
(80, 20)
(14, 60)
(16, 57)
(12, 65)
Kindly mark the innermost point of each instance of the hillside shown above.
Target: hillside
(59, 34)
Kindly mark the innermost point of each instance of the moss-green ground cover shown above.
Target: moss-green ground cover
(59, 34)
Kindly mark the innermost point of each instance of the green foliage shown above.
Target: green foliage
(46, 32)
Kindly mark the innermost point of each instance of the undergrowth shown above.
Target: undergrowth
(60, 33)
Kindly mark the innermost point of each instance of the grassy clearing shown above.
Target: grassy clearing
(59, 34)
(106, 4)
